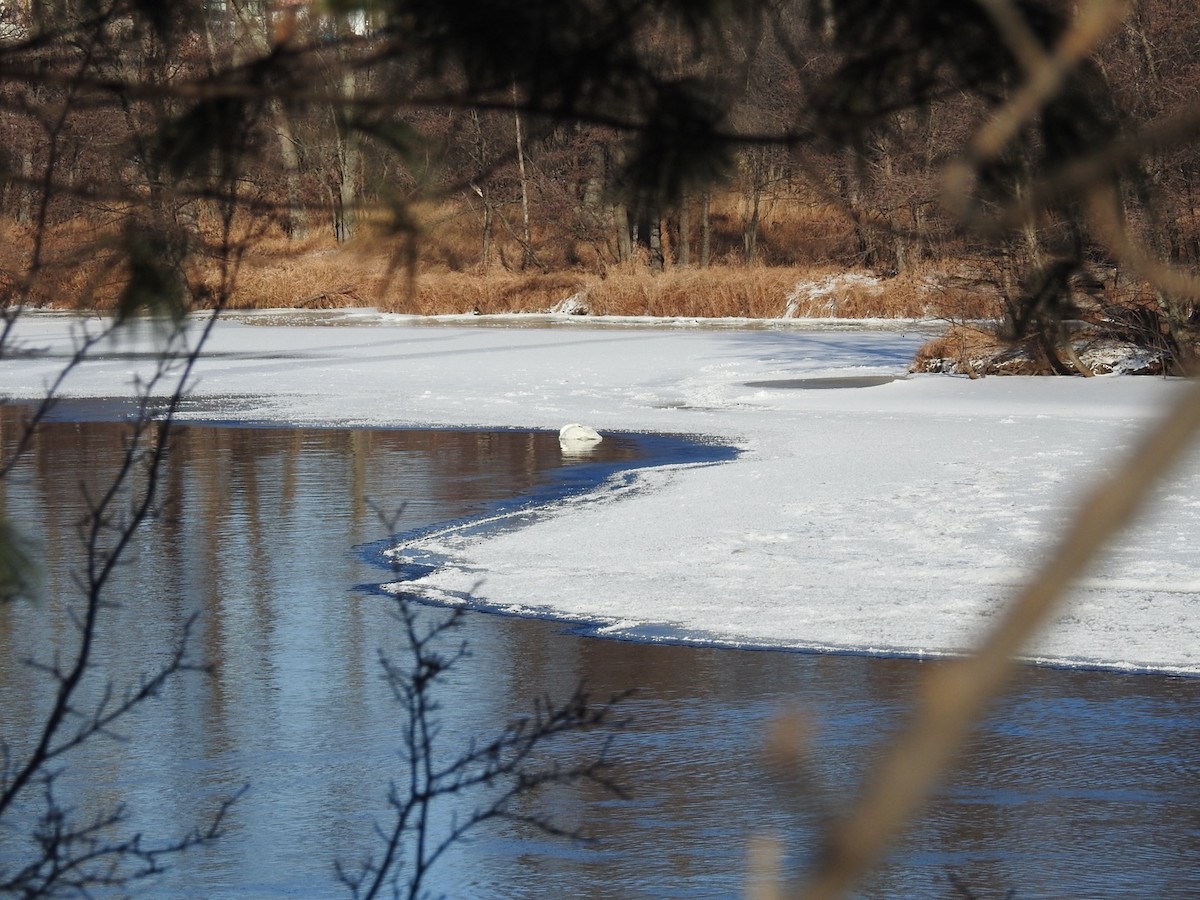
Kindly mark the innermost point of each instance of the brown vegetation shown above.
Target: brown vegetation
(82, 268)
(497, 199)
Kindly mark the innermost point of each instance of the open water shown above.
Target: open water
(1082, 784)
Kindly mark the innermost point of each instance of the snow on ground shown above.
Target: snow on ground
(825, 293)
(896, 517)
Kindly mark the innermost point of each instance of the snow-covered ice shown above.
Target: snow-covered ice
(897, 516)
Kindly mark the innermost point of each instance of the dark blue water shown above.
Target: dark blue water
(1082, 784)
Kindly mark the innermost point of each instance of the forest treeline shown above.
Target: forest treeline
(620, 157)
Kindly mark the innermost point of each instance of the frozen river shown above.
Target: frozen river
(1083, 783)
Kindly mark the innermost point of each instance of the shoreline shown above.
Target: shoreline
(901, 515)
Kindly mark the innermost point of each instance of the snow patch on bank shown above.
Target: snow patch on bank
(815, 296)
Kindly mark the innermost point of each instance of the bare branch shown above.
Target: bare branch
(956, 694)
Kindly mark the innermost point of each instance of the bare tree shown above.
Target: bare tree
(52, 849)
(490, 779)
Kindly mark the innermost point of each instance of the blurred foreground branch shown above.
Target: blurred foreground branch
(956, 695)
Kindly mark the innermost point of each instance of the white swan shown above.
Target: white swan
(576, 437)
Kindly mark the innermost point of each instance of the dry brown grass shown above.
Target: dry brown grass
(78, 266)
(319, 276)
(82, 269)
(795, 231)
(702, 293)
(962, 350)
(494, 292)
(915, 294)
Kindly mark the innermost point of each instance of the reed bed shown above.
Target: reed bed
(345, 278)
(83, 268)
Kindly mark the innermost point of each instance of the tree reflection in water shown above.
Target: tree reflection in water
(1079, 779)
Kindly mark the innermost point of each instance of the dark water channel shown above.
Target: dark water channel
(1083, 784)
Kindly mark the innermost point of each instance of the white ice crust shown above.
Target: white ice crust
(895, 517)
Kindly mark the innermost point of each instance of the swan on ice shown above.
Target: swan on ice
(577, 438)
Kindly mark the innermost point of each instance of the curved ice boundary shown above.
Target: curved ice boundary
(412, 554)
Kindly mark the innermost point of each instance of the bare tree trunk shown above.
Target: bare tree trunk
(683, 250)
(753, 200)
(483, 190)
(25, 189)
(487, 232)
(257, 28)
(654, 243)
(850, 188)
(527, 237)
(348, 152)
(896, 231)
(750, 229)
(347, 174)
(705, 231)
(296, 221)
(624, 234)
